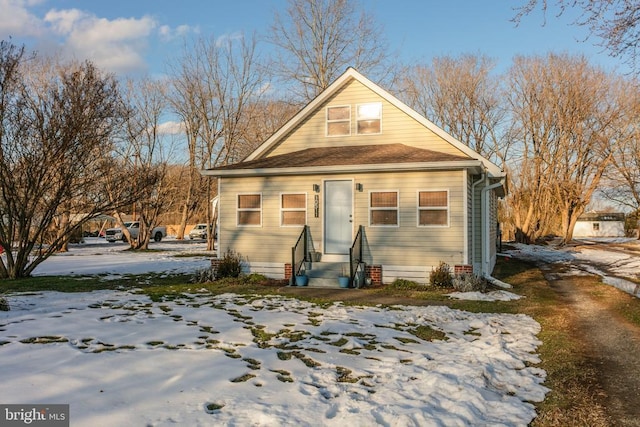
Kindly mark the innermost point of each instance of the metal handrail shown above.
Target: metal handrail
(299, 253)
(355, 253)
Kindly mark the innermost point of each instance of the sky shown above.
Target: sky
(137, 37)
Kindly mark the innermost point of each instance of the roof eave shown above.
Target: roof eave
(475, 166)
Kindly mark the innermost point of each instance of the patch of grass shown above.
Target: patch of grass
(252, 363)
(242, 378)
(212, 408)
(405, 340)
(283, 376)
(627, 306)
(340, 342)
(427, 333)
(44, 340)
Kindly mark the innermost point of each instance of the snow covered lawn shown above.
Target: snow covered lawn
(120, 359)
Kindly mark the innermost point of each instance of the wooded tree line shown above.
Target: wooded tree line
(76, 140)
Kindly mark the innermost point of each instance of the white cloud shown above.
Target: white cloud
(171, 128)
(17, 21)
(116, 45)
(167, 33)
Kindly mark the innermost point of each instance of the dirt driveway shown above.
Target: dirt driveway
(612, 345)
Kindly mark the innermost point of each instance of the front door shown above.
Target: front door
(338, 216)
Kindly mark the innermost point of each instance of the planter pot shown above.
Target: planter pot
(343, 281)
(302, 280)
(315, 256)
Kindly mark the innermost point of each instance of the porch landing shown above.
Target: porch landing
(325, 274)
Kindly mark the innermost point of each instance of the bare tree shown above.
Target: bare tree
(216, 84)
(319, 39)
(149, 150)
(615, 22)
(623, 179)
(57, 124)
(562, 116)
(461, 96)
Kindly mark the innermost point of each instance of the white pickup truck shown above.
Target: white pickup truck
(116, 234)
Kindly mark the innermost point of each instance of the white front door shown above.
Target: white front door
(338, 216)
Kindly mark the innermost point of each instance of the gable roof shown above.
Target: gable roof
(360, 158)
(493, 170)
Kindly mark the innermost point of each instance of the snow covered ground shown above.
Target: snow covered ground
(121, 359)
(614, 265)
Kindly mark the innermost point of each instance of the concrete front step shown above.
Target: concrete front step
(325, 274)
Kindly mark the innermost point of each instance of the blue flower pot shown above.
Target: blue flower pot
(343, 281)
(302, 280)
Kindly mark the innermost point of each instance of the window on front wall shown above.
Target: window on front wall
(250, 210)
(433, 208)
(596, 226)
(383, 208)
(369, 118)
(339, 120)
(293, 209)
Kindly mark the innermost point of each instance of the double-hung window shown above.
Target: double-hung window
(383, 209)
(293, 209)
(339, 120)
(249, 210)
(369, 118)
(433, 208)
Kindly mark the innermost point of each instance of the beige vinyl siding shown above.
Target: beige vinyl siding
(408, 244)
(405, 245)
(270, 242)
(397, 126)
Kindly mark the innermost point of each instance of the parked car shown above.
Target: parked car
(199, 232)
(115, 234)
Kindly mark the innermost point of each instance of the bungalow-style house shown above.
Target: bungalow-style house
(360, 181)
(600, 224)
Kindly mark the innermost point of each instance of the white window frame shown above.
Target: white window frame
(397, 209)
(358, 119)
(435, 208)
(282, 209)
(238, 210)
(327, 121)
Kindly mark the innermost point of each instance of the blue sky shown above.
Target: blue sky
(140, 36)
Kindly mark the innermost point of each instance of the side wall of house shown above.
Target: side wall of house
(407, 250)
(397, 126)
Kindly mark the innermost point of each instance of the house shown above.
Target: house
(363, 181)
(600, 224)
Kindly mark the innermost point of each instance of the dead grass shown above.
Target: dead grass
(575, 398)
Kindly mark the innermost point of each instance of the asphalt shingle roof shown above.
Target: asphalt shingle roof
(347, 155)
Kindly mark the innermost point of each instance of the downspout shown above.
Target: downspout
(473, 217)
(486, 249)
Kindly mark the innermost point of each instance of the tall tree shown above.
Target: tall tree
(562, 116)
(623, 179)
(461, 96)
(319, 39)
(57, 122)
(217, 82)
(150, 152)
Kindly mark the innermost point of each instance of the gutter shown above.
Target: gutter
(486, 248)
(473, 216)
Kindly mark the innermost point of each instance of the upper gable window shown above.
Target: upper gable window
(339, 121)
(369, 118)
